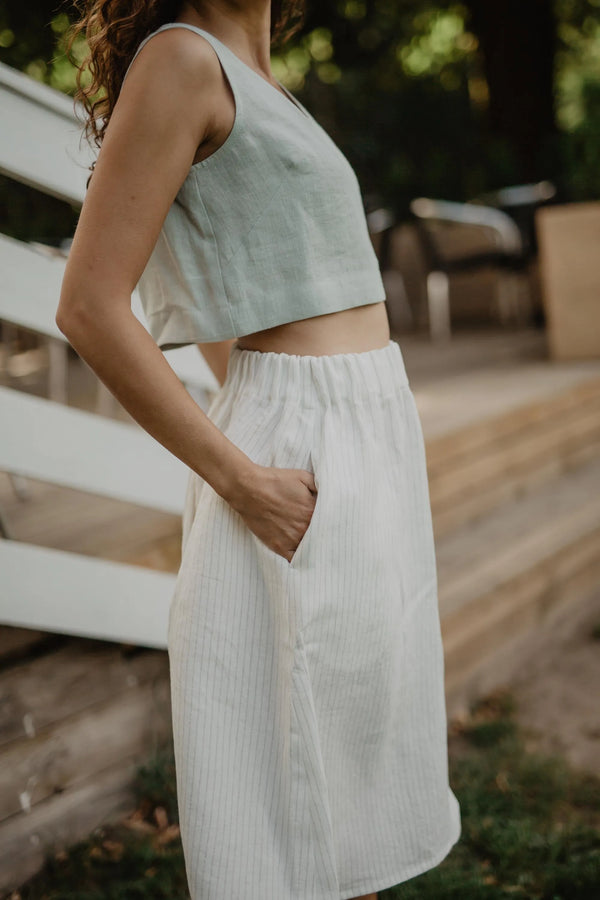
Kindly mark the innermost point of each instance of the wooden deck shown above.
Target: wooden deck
(482, 374)
(513, 454)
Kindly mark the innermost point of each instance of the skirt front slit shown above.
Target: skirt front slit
(309, 718)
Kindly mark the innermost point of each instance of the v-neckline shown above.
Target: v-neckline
(284, 91)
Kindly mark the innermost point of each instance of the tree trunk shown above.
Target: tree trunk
(518, 41)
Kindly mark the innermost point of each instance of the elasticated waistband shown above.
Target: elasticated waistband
(311, 380)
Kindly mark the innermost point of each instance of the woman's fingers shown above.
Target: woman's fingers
(280, 513)
(309, 481)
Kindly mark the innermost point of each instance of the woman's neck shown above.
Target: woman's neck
(245, 27)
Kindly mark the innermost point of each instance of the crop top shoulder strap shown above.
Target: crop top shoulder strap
(231, 64)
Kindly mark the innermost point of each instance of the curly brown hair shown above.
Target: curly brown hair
(113, 29)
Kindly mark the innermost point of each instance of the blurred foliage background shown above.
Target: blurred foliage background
(442, 99)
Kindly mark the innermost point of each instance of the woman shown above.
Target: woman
(305, 652)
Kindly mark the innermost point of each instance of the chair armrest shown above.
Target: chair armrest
(505, 232)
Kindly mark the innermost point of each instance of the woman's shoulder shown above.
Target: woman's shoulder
(178, 53)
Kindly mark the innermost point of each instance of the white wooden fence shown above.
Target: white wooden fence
(41, 145)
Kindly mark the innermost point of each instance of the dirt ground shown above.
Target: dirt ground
(557, 690)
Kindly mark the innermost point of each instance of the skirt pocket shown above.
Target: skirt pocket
(308, 534)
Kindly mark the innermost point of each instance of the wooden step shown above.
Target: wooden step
(37, 694)
(494, 461)
(76, 521)
(75, 724)
(512, 570)
(64, 819)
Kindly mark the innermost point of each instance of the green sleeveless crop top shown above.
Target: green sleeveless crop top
(268, 229)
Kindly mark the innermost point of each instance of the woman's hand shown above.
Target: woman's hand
(277, 506)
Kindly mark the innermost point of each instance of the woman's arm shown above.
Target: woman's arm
(168, 106)
(165, 110)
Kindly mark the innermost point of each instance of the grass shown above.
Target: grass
(529, 823)
(530, 829)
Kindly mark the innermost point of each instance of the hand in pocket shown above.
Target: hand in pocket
(277, 506)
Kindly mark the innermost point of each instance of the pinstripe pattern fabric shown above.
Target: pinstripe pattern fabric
(308, 702)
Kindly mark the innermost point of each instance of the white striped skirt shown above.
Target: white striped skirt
(309, 718)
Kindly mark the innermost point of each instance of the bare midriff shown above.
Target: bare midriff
(352, 330)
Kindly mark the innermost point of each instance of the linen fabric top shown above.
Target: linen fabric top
(270, 228)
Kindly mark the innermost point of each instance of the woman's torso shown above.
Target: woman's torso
(347, 331)
(351, 330)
